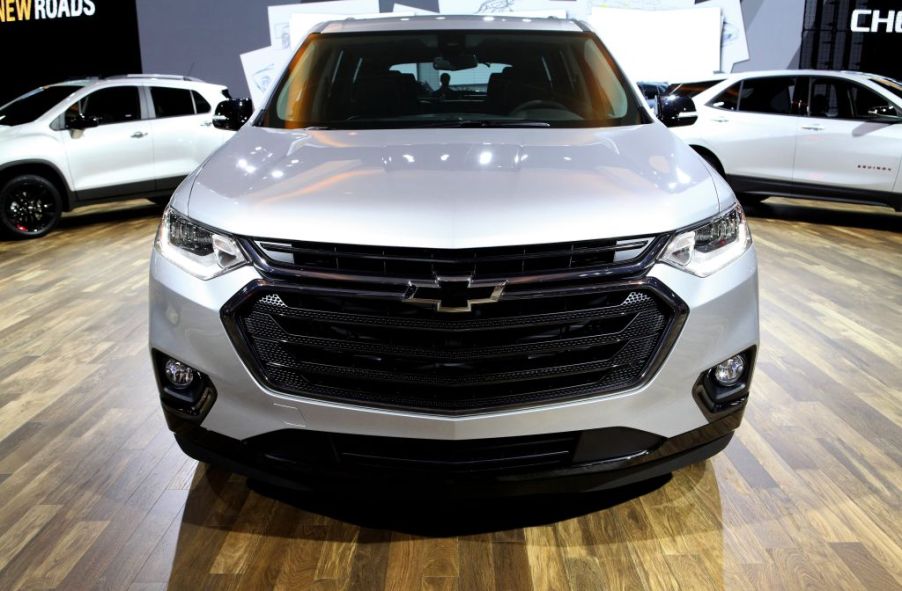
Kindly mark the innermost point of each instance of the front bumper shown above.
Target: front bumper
(185, 323)
(314, 462)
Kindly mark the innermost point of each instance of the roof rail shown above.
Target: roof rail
(157, 76)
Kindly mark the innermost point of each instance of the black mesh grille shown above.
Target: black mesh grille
(383, 351)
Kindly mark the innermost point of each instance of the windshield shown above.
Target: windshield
(454, 79)
(889, 84)
(29, 107)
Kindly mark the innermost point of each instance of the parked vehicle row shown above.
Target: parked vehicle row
(808, 134)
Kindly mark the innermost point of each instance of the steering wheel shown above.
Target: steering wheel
(539, 104)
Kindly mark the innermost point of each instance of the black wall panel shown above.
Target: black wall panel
(208, 36)
(45, 41)
(830, 43)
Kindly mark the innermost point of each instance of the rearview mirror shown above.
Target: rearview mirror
(461, 61)
(80, 121)
(676, 111)
(233, 113)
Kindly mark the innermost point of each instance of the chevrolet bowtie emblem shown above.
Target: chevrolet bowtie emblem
(453, 294)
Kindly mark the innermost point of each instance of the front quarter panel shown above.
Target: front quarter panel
(32, 144)
(182, 193)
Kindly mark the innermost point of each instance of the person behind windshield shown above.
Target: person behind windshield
(445, 91)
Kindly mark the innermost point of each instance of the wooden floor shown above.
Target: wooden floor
(94, 493)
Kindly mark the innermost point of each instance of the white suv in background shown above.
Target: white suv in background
(805, 133)
(79, 142)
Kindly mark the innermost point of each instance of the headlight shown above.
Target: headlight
(198, 250)
(710, 247)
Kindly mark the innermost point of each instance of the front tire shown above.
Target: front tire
(30, 207)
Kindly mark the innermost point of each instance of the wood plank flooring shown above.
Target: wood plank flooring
(95, 494)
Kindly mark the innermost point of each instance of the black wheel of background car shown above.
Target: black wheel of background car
(30, 207)
(710, 159)
(714, 162)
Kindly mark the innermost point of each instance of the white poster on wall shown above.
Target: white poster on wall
(645, 4)
(525, 8)
(301, 23)
(403, 8)
(662, 45)
(734, 46)
(261, 69)
(280, 15)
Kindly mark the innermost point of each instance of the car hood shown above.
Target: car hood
(452, 188)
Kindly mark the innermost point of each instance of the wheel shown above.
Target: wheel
(744, 199)
(30, 207)
(710, 159)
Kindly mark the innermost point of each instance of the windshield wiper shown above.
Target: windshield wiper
(382, 124)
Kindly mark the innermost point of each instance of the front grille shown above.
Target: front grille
(552, 336)
(562, 333)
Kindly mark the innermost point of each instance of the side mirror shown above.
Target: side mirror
(80, 121)
(884, 114)
(882, 110)
(233, 113)
(676, 111)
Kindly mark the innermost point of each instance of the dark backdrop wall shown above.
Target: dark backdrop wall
(202, 38)
(772, 30)
(829, 41)
(206, 37)
(86, 38)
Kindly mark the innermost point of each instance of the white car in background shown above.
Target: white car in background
(79, 142)
(804, 133)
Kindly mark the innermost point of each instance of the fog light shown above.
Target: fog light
(730, 371)
(178, 374)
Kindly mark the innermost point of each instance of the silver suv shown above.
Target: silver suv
(455, 253)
